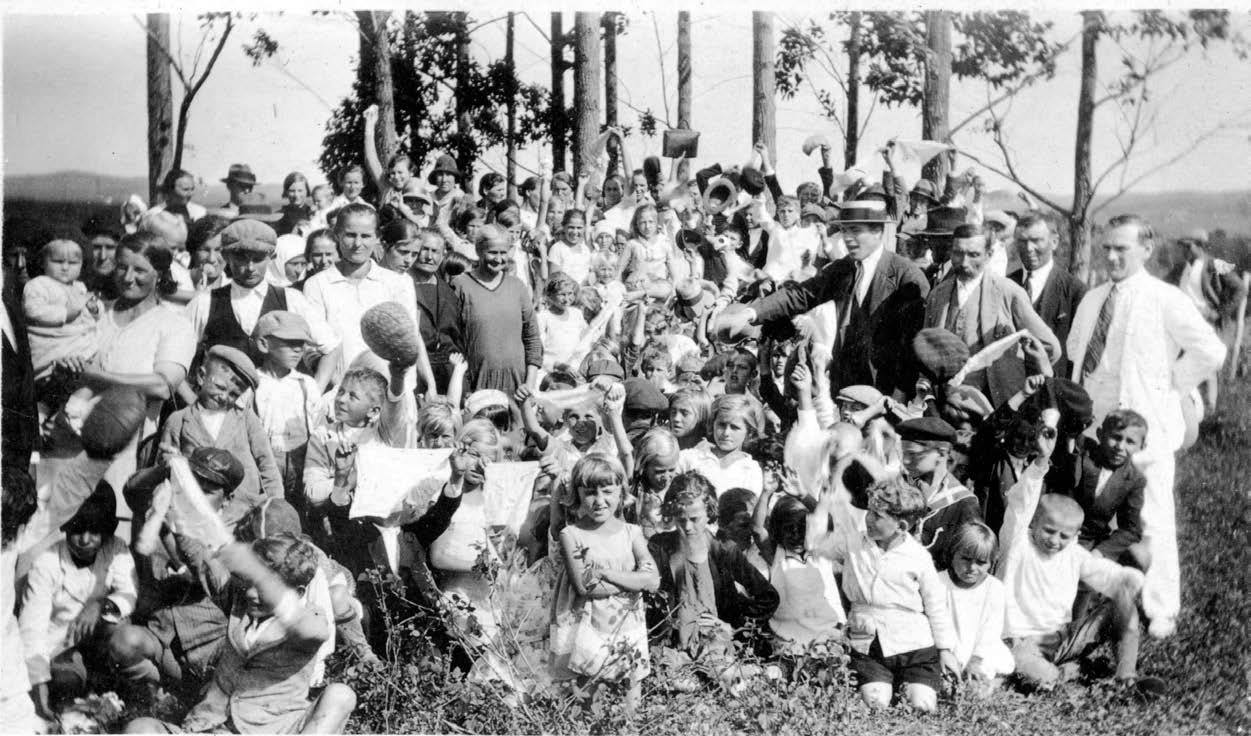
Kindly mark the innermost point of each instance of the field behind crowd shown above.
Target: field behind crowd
(1207, 663)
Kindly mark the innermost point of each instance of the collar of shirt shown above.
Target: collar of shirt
(868, 268)
(334, 275)
(259, 291)
(706, 448)
(966, 288)
(1038, 279)
(7, 326)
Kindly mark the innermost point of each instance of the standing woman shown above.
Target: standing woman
(399, 245)
(145, 343)
(297, 212)
(438, 305)
(501, 337)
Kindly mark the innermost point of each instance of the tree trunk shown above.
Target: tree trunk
(851, 142)
(610, 86)
(160, 104)
(1079, 226)
(464, 122)
(586, 86)
(937, 93)
(763, 127)
(559, 124)
(684, 84)
(511, 151)
(374, 32)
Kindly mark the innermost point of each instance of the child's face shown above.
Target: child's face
(847, 410)
(247, 268)
(438, 439)
(358, 235)
(683, 419)
(657, 372)
(968, 569)
(561, 190)
(1119, 445)
(692, 520)
(738, 372)
(777, 358)
(355, 404)
(605, 273)
(882, 527)
(220, 386)
(64, 263)
(729, 432)
(612, 192)
(736, 526)
(583, 424)
(727, 242)
(659, 472)
(283, 353)
(600, 504)
(605, 242)
(647, 223)
(808, 195)
(1051, 533)
(921, 460)
(84, 546)
(400, 257)
(353, 184)
(564, 297)
(399, 174)
(788, 214)
(574, 231)
(323, 254)
(323, 196)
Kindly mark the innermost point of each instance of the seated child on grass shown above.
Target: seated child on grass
(261, 683)
(899, 627)
(1042, 568)
(77, 591)
(977, 601)
(216, 420)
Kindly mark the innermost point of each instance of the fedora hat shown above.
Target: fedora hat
(240, 174)
(925, 188)
(943, 221)
(444, 165)
(721, 194)
(863, 210)
(254, 206)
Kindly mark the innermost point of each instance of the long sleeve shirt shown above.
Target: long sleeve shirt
(56, 591)
(895, 595)
(341, 302)
(979, 615)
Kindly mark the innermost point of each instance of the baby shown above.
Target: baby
(60, 319)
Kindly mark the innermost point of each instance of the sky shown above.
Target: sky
(74, 98)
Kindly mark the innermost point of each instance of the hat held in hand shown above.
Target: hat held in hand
(113, 422)
(389, 331)
(940, 354)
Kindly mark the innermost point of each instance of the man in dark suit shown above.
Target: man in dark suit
(880, 297)
(1216, 288)
(1053, 291)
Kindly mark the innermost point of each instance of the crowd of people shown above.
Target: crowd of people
(857, 417)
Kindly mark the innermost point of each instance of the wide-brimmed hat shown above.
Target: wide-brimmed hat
(240, 174)
(943, 221)
(254, 206)
(925, 188)
(444, 165)
(863, 210)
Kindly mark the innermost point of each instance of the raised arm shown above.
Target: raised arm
(371, 147)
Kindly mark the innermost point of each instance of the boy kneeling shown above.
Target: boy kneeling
(1042, 568)
(261, 684)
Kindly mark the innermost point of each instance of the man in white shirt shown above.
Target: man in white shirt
(1139, 343)
(227, 315)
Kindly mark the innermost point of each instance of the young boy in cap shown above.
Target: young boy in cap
(287, 401)
(1042, 568)
(228, 314)
(75, 592)
(927, 444)
(176, 634)
(216, 420)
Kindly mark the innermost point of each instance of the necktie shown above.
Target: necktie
(1099, 337)
(853, 297)
(1029, 284)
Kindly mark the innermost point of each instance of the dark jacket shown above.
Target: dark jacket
(881, 353)
(1056, 304)
(1121, 497)
(20, 429)
(730, 570)
(1223, 291)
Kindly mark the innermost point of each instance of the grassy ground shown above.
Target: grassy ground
(1207, 663)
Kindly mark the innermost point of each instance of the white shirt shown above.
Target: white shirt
(246, 305)
(1038, 279)
(1192, 286)
(966, 289)
(561, 334)
(787, 246)
(809, 607)
(868, 267)
(997, 259)
(287, 407)
(736, 470)
(895, 595)
(341, 301)
(979, 614)
(574, 260)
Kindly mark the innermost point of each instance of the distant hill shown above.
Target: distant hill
(83, 186)
(1173, 213)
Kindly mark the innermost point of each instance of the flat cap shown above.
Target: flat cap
(238, 361)
(926, 429)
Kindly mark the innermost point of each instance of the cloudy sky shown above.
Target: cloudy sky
(74, 98)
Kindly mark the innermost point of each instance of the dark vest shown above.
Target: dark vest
(222, 327)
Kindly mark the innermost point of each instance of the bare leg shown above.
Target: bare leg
(921, 697)
(877, 694)
(1125, 619)
(331, 711)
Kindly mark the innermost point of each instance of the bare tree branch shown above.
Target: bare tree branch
(1016, 88)
(172, 61)
(664, 79)
(1013, 178)
(537, 27)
